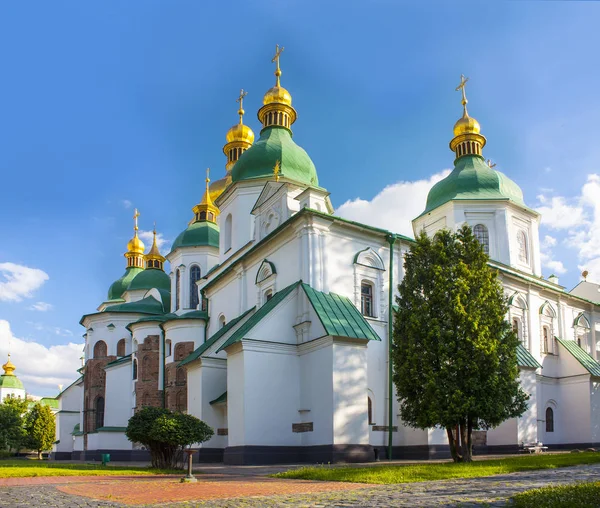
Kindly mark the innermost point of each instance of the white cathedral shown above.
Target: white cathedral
(273, 324)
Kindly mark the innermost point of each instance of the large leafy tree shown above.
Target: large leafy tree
(166, 433)
(40, 427)
(454, 355)
(12, 432)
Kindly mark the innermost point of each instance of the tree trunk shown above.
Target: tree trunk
(465, 439)
(454, 444)
(469, 456)
(39, 454)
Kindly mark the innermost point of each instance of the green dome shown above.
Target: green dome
(11, 382)
(472, 178)
(275, 144)
(198, 234)
(119, 286)
(151, 278)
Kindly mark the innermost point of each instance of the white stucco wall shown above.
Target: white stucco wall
(119, 395)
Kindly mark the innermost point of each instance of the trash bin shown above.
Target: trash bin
(105, 458)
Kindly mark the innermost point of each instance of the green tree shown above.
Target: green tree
(166, 433)
(454, 355)
(12, 433)
(40, 427)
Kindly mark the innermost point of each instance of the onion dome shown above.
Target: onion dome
(202, 230)
(153, 276)
(154, 259)
(8, 379)
(275, 143)
(472, 178)
(135, 247)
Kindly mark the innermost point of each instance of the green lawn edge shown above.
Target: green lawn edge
(580, 495)
(23, 468)
(423, 472)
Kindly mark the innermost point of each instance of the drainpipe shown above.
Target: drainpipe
(164, 365)
(206, 321)
(391, 239)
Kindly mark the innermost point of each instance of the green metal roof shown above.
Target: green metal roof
(215, 337)
(220, 399)
(275, 144)
(119, 361)
(337, 314)
(119, 286)
(111, 429)
(526, 359)
(51, 402)
(472, 178)
(198, 234)
(591, 365)
(148, 305)
(11, 382)
(151, 278)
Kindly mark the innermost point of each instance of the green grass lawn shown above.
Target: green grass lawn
(439, 471)
(580, 495)
(27, 468)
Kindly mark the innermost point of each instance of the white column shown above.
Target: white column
(184, 290)
(593, 334)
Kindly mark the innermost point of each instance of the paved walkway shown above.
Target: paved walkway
(252, 491)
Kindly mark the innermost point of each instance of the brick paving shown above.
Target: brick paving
(224, 491)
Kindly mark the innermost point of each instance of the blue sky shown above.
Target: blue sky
(109, 105)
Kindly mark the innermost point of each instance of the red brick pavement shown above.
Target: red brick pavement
(139, 490)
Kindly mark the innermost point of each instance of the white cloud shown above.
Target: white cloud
(148, 236)
(40, 368)
(54, 330)
(547, 256)
(394, 207)
(41, 306)
(558, 214)
(19, 281)
(126, 204)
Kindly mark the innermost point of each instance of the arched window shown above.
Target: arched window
(177, 288)
(99, 412)
(180, 377)
(523, 248)
(370, 410)
(134, 369)
(228, 232)
(366, 299)
(545, 339)
(222, 321)
(168, 347)
(549, 420)
(516, 327)
(121, 348)
(100, 349)
(481, 233)
(268, 295)
(180, 351)
(194, 277)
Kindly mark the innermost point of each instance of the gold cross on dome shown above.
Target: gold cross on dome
(136, 214)
(276, 171)
(207, 175)
(275, 60)
(461, 88)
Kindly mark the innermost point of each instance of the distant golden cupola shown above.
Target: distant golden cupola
(135, 247)
(277, 103)
(9, 368)
(154, 259)
(468, 139)
(206, 210)
(238, 139)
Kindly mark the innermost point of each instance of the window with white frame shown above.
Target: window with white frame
(368, 283)
(581, 328)
(483, 237)
(227, 233)
(518, 317)
(266, 281)
(194, 277)
(222, 321)
(523, 247)
(547, 319)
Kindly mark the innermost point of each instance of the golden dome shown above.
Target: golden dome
(217, 187)
(135, 245)
(240, 132)
(466, 125)
(9, 368)
(278, 95)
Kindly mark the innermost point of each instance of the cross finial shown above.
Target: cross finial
(275, 60)
(276, 171)
(240, 99)
(154, 230)
(461, 88)
(207, 175)
(136, 214)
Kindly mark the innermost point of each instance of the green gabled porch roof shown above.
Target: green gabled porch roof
(526, 359)
(119, 361)
(197, 353)
(220, 399)
(337, 314)
(588, 363)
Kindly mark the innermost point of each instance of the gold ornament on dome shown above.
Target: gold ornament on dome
(135, 245)
(467, 131)
(9, 367)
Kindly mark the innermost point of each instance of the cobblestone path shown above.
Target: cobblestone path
(489, 491)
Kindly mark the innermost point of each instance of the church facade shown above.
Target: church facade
(274, 322)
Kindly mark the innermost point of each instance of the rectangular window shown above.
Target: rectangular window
(366, 299)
